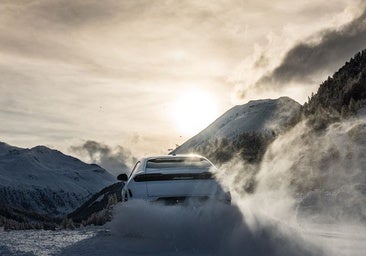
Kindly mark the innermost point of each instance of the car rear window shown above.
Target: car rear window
(186, 162)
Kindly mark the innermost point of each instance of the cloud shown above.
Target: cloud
(115, 160)
(309, 61)
(62, 31)
(63, 13)
(336, 46)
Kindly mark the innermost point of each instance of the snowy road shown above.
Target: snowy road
(338, 240)
(41, 242)
(182, 231)
(335, 240)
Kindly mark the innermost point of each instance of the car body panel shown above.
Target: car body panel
(181, 188)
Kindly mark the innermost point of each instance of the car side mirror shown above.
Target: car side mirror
(122, 177)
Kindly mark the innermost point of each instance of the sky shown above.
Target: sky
(141, 76)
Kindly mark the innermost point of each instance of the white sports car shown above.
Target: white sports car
(173, 179)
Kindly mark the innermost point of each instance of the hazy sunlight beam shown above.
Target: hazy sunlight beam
(192, 111)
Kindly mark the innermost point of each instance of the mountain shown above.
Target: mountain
(46, 181)
(244, 129)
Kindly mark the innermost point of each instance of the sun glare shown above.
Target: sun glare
(193, 111)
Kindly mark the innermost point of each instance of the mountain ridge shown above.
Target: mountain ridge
(47, 181)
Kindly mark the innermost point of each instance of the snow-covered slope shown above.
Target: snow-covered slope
(47, 181)
(269, 115)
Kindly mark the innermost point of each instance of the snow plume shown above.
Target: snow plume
(211, 229)
(306, 177)
(320, 174)
(115, 160)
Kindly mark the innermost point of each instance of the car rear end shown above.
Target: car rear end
(176, 179)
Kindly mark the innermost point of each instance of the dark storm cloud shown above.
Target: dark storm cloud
(306, 60)
(115, 160)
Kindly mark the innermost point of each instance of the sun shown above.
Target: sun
(194, 110)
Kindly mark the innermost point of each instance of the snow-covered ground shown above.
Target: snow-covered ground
(41, 242)
(142, 229)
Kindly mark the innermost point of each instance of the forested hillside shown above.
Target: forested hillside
(344, 92)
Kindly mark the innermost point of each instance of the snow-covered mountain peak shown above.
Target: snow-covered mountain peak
(43, 149)
(268, 115)
(257, 115)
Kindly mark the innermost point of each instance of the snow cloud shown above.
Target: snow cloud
(306, 175)
(116, 160)
(143, 228)
(323, 170)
